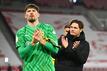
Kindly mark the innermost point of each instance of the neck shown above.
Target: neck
(33, 23)
(78, 35)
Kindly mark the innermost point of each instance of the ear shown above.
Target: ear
(38, 14)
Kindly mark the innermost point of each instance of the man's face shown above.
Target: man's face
(74, 29)
(31, 14)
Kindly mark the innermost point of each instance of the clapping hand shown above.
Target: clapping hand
(37, 37)
(76, 44)
(64, 41)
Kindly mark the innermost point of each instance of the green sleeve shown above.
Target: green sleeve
(50, 47)
(53, 43)
(23, 50)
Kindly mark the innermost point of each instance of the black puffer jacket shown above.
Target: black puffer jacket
(72, 59)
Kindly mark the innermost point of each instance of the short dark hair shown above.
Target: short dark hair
(32, 6)
(67, 26)
(80, 23)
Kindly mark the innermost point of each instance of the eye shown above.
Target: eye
(28, 10)
(75, 28)
(71, 27)
(33, 10)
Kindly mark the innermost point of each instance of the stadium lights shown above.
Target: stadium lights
(6, 59)
(73, 1)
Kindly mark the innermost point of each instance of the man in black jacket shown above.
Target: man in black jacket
(75, 49)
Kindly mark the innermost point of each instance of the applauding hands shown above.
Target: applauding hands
(38, 37)
(65, 42)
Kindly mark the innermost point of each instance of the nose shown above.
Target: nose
(31, 14)
(72, 30)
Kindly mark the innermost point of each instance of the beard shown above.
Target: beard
(32, 20)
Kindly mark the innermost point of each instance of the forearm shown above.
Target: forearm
(25, 50)
(51, 47)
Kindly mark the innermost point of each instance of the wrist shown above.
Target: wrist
(33, 42)
(42, 41)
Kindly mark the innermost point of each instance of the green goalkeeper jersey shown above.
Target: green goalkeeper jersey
(37, 57)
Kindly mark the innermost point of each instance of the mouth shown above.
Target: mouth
(72, 32)
(32, 18)
(31, 15)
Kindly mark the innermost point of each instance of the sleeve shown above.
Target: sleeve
(21, 47)
(52, 44)
(80, 54)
